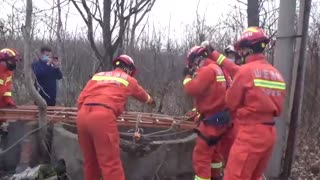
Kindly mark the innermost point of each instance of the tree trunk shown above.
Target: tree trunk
(59, 39)
(107, 39)
(132, 40)
(253, 13)
(26, 31)
(284, 53)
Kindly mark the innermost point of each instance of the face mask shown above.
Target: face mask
(45, 58)
(11, 67)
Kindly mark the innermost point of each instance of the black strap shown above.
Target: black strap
(269, 123)
(211, 140)
(218, 119)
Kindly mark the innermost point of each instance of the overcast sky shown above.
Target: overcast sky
(176, 12)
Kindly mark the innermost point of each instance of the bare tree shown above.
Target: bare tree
(112, 30)
(137, 18)
(42, 106)
(58, 33)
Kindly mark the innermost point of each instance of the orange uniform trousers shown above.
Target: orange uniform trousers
(99, 141)
(225, 144)
(208, 161)
(250, 152)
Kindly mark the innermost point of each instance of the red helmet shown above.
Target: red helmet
(9, 54)
(196, 51)
(251, 36)
(127, 60)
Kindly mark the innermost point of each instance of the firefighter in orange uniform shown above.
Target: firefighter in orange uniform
(256, 95)
(100, 103)
(8, 59)
(205, 82)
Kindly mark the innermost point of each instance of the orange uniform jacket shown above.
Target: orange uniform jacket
(112, 89)
(5, 87)
(208, 88)
(258, 91)
(228, 65)
(228, 78)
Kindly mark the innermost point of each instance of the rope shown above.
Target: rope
(177, 141)
(149, 135)
(164, 131)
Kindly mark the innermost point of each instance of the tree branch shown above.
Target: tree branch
(79, 10)
(241, 2)
(97, 9)
(58, 33)
(88, 22)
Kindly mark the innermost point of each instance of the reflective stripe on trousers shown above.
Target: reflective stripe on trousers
(216, 165)
(199, 178)
(213, 166)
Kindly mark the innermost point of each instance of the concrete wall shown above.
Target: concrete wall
(166, 161)
(9, 160)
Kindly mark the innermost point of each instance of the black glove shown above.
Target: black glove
(188, 71)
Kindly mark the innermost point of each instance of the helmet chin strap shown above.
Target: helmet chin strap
(198, 62)
(245, 55)
(128, 71)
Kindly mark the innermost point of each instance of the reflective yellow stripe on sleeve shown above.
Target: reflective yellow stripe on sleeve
(1, 82)
(220, 59)
(221, 79)
(269, 84)
(110, 78)
(216, 165)
(9, 79)
(199, 178)
(7, 94)
(186, 80)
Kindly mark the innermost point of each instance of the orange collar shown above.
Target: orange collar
(207, 62)
(3, 68)
(255, 57)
